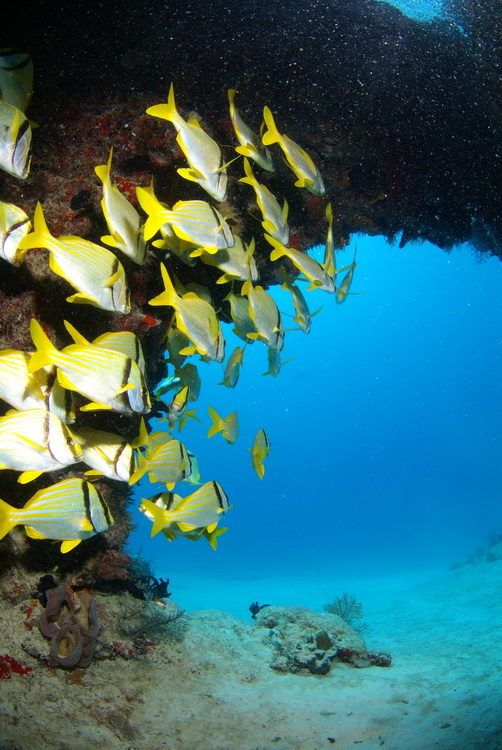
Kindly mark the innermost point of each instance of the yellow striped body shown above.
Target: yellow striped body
(265, 316)
(229, 427)
(275, 218)
(308, 266)
(107, 453)
(15, 141)
(250, 143)
(14, 225)
(259, 452)
(203, 508)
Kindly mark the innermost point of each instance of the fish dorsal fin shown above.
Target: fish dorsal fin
(76, 336)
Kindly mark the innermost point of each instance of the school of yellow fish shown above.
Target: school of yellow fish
(38, 435)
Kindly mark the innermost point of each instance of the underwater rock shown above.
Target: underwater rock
(305, 640)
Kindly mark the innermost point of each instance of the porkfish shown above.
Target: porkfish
(259, 452)
(297, 159)
(275, 218)
(265, 316)
(202, 509)
(33, 390)
(125, 342)
(34, 441)
(109, 379)
(196, 318)
(107, 454)
(93, 271)
(250, 143)
(14, 225)
(344, 289)
(239, 312)
(303, 316)
(229, 427)
(69, 511)
(233, 368)
(237, 262)
(205, 162)
(122, 219)
(168, 463)
(308, 266)
(15, 141)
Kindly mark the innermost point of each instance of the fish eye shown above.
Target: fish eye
(69, 441)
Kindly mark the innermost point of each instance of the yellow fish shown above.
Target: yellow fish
(37, 390)
(125, 342)
(202, 153)
(168, 463)
(93, 271)
(344, 288)
(15, 141)
(202, 509)
(298, 160)
(69, 511)
(239, 312)
(308, 266)
(259, 452)
(108, 454)
(109, 379)
(274, 362)
(275, 218)
(195, 318)
(172, 501)
(250, 143)
(34, 441)
(302, 316)
(265, 316)
(237, 262)
(123, 221)
(329, 262)
(14, 225)
(229, 427)
(233, 368)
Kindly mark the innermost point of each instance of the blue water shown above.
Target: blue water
(420, 10)
(385, 428)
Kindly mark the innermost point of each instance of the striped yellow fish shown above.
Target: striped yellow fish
(168, 463)
(237, 262)
(170, 500)
(195, 318)
(125, 342)
(229, 427)
(259, 452)
(308, 266)
(38, 390)
(155, 440)
(233, 368)
(202, 153)
(69, 511)
(275, 218)
(14, 225)
(109, 379)
(16, 78)
(93, 271)
(329, 262)
(122, 219)
(195, 222)
(344, 289)
(202, 509)
(250, 143)
(302, 316)
(274, 362)
(265, 315)
(107, 454)
(298, 160)
(34, 441)
(239, 312)
(15, 141)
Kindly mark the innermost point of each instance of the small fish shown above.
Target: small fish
(34, 441)
(250, 143)
(15, 141)
(196, 318)
(202, 509)
(329, 262)
(168, 463)
(14, 225)
(178, 405)
(274, 362)
(165, 386)
(237, 262)
(107, 454)
(259, 452)
(308, 266)
(303, 315)
(275, 218)
(229, 427)
(109, 379)
(195, 222)
(69, 511)
(122, 219)
(38, 390)
(265, 315)
(172, 501)
(202, 153)
(125, 342)
(233, 368)
(16, 78)
(344, 288)
(93, 271)
(239, 312)
(298, 160)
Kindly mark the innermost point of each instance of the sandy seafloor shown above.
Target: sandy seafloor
(215, 689)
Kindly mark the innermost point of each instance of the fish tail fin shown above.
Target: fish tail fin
(155, 210)
(271, 135)
(249, 179)
(329, 213)
(169, 295)
(279, 248)
(159, 519)
(216, 426)
(143, 438)
(45, 347)
(212, 536)
(40, 236)
(76, 336)
(6, 522)
(231, 97)
(140, 471)
(103, 171)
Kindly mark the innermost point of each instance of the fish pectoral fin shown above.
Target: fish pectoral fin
(94, 406)
(110, 281)
(126, 387)
(247, 150)
(187, 350)
(33, 533)
(69, 544)
(81, 299)
(28, 476)
(186, 526)
(28, 441)
(110, 240)
(190, 174)
(93, 474)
